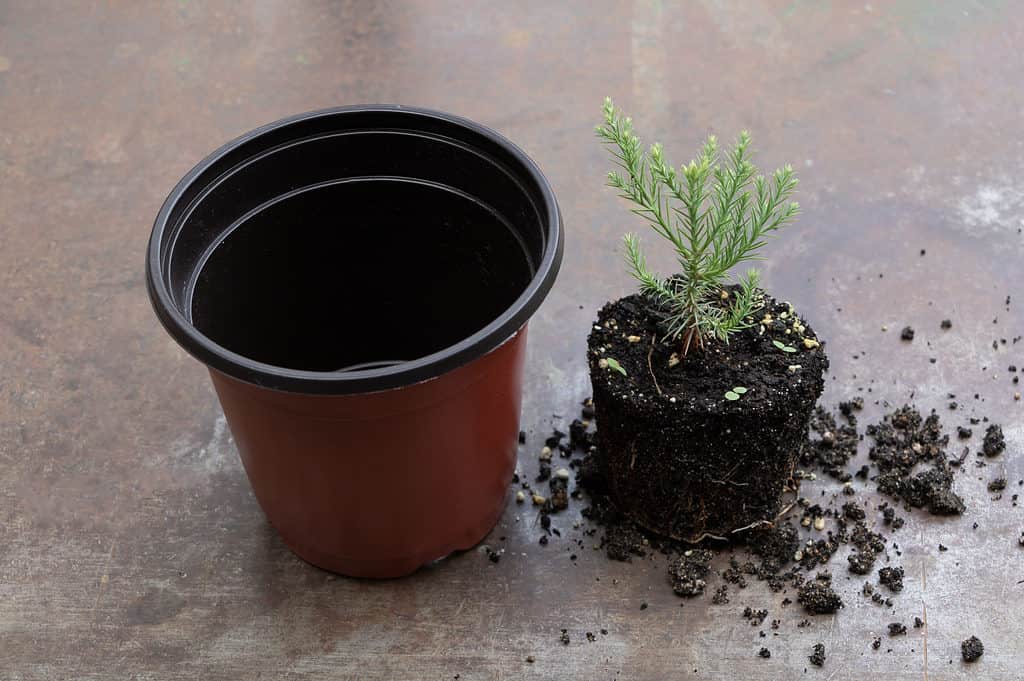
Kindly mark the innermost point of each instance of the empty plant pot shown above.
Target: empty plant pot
(358, 281)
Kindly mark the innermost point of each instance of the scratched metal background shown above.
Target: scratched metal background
(130, 544)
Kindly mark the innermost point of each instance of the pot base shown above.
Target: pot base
(392, 567)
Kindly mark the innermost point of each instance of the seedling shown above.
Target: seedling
(735, 393)
(782, 346)
(612, 364)
(715, 215)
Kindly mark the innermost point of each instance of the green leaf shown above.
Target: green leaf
(732, 396)
(614, 364)
(739, 390)
(782, 346)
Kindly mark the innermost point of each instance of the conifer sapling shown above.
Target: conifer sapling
(715, 214)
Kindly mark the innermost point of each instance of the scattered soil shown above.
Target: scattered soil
(834, 446)
(891, 577)
(908, 460)
(897, 629)
(817, 657)
(756, 617)
(907, 333)
(818, 597)
(971, 649)
(623, 541)
(680, 457)
(559, 498)
(867, 546)
(994, 442)
(904, 443)
(688, 572)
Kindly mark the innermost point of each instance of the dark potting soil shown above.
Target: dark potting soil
(688, 572)
(891, 577)
(623, 541)
(817, 596)
(971, 649)
(817, 657)
(997, 484)
(707, 443)
(834, 445)
(994, 442)
(756, 617)
(904, 442)
(781, 555)
(908, 461)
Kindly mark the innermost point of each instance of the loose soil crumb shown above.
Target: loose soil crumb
(971, 649)
(891, 577)
(994, 442)
(688, 572)
(818, 597)
(756, 617)
(867, 546)
(835, 446)
(623, 541)
(559, 499)
(897, 629)
(765, 653)
(904, 442)
(817, 657)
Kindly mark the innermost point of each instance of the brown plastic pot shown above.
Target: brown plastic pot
(358, 281)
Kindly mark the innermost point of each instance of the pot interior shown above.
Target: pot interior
(358, 272)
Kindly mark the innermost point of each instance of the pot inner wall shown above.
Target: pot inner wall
(359, 271)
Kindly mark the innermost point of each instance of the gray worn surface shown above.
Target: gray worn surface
(130, 544)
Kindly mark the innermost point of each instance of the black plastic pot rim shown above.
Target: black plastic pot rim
(375, 379)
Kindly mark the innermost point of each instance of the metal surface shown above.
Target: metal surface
(130, 542)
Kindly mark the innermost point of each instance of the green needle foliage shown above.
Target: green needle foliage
(716, 215)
